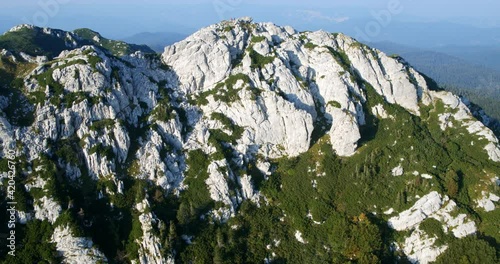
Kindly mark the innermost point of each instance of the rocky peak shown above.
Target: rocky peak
(311, 70)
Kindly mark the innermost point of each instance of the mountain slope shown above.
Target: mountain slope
(477, 83)
(245, 143)
(36, 41)
(118, 48)
(445, 69)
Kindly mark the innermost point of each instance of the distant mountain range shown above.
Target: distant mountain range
(488, 56)
(155, 40)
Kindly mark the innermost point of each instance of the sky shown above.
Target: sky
(119, 19)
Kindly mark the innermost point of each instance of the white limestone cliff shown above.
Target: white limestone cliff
(78, 250)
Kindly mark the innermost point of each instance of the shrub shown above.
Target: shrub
(434, 228)
(310, 46)
(35, 246)
(45, 79)
(257, 39)
(73, 98)
(220, 136)
(103, 151)
(258, 60)
(341, 58)
(66, 153)
(194, 201)
(469, 250)
(93, 61)
(228, 95)
(102, 124)
(334, 104)
(163, 111)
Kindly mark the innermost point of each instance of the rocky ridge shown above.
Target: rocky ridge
(239, 94)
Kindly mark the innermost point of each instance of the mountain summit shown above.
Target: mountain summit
(244, 143)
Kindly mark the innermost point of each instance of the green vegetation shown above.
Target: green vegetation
(228, 124)
(67, 153)
(19, 111)
(73, 62)
(225, 91)
(135, 234)
(233, 79)
(469, 250)
(257, 39)
(47, 174)
(37, 97)
(34, 245)
(66, 219)
(258, 60)
(342, 201)
(195, 201)
(102, 124)
(56, 90)
(93, 60)
(479, 84)
(73, 98)
(33, 42)
(434, 228)
(220, 139)
(358, 44)
(163, 110)
(103, 151)
(117, 48)
(334, 104)
(341, 58)
(310, 46)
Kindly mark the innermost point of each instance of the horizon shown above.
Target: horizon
(374, 21)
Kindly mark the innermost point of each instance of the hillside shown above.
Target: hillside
(244, 143)
(35, 41)
(478, 83)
